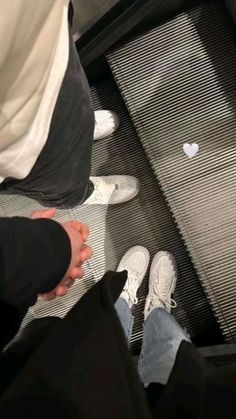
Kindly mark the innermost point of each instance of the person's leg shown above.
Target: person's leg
(135, 262)
(60, 176)
(161, 340)
(70, 199)
(125, 315)
(162, 334)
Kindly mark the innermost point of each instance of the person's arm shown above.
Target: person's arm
(34, 257)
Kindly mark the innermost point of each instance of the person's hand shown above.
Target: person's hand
(80, 252)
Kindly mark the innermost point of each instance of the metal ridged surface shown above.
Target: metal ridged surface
(178, 81)
(145, 220)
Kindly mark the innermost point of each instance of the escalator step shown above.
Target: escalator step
(178, 82)
(145, 221)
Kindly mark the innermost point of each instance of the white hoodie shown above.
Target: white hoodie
(34, 51)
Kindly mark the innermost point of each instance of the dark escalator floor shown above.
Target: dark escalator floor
(146, 221)
(178, 81)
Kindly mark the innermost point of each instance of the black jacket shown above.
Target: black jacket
(80, 367)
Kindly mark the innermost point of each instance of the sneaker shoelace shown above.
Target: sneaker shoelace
(162, 294)
(103, 187)
(100, 126)
(130, 288)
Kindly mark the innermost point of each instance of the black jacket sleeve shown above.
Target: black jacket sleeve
(34, 257)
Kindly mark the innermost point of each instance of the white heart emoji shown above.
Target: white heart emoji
(190, 149)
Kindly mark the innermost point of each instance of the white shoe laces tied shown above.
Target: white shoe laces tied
(161, 293)
(130, 288)
(103, 188)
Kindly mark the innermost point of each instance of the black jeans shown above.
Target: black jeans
(60, 176)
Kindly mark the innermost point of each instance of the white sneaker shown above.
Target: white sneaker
(106, 122)
(135, 261)
(162, 282)
(113, 189)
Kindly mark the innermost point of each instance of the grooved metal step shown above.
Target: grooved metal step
(178, 81)
(145, 221)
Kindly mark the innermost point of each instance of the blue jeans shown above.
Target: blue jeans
(161, 339)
